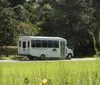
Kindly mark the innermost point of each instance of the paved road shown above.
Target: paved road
(74, 59)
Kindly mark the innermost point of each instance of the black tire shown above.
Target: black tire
(42, 57)
(69, 56)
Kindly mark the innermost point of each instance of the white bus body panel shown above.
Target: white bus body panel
(47, 52)
(69, 51)
(22, 50)
(38, 51)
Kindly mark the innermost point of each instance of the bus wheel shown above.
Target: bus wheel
(42, 57)
(69, 56)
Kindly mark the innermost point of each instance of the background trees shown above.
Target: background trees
(71, 19)
(7, 24)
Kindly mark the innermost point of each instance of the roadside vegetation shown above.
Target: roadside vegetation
(78, 21)
(50, 73)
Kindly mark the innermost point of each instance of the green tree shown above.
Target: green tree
(28, 19)
(70, 19)
(96, 6)
(7, 24)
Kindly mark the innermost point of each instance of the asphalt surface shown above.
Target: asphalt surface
(73, 59)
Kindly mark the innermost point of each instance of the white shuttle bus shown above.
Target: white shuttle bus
(44, 47)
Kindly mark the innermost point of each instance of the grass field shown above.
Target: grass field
(56, 73)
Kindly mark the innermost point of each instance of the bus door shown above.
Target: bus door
(62, 49)
(28, 47)
(25, 47)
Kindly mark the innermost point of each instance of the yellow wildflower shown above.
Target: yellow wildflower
(40, 83)
(44, 81)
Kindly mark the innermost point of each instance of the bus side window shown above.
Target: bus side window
(33, 43)
(24, 44)
(50, 43)
(38, 43)
(44, 43)
(19, 43)
(56, 44)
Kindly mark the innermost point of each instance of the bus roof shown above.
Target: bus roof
(42, 37)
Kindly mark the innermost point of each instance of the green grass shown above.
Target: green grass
(60, 73)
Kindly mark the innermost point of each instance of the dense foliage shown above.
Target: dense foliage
(71, 19)
(7, 24)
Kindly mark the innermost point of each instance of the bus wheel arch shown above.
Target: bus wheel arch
(42, 56)
(69, 56)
